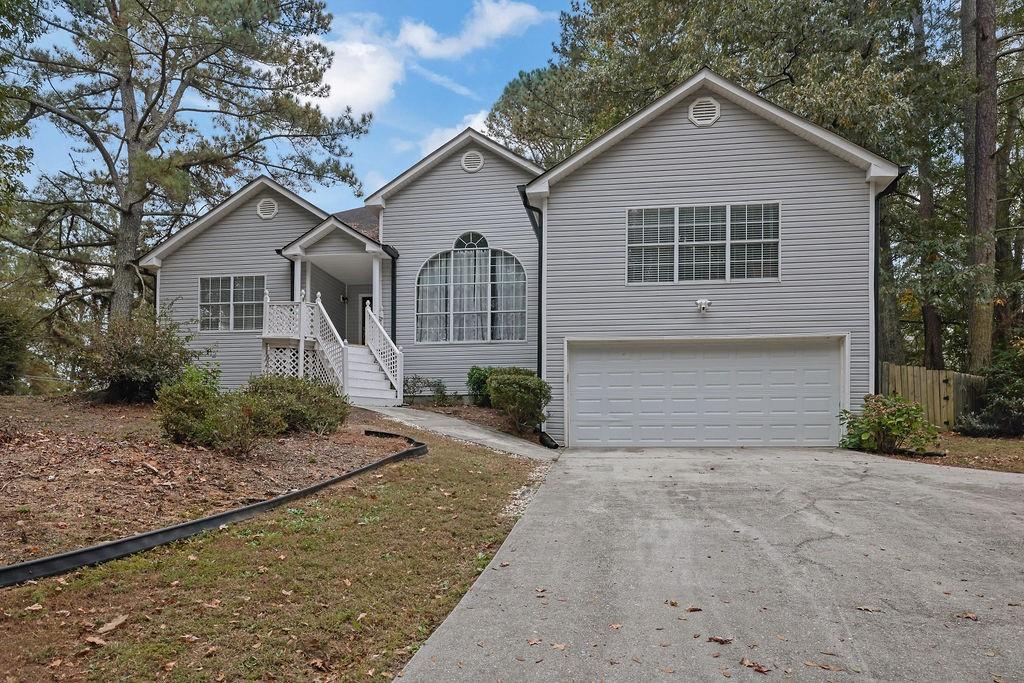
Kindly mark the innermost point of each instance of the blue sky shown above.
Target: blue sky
(425, 69)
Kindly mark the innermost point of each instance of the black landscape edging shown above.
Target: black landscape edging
(112, 550)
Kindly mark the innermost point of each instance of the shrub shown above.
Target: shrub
(305, 405)
(1002, 401)
(240, 420)
(888, 424)
(14, 334)
(522, 397)
(186, 405)
(418, 385)
(476, 381)
(130, 359)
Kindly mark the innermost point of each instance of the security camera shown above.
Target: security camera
(702, 305)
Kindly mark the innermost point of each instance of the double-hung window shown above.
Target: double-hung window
(702, 243)
(231, 302)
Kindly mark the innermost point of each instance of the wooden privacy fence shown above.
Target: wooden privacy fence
(945, 395)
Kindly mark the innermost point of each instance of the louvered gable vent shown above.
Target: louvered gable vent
(266, 208)
(704, 111)
(472, 161)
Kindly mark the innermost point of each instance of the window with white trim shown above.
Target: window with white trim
(699, 243)
(471, 293)
(231, 302)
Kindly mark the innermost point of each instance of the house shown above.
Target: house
(701, 274)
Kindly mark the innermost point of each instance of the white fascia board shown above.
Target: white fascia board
(298, 247)
(428, 162)
(155, 256)
(876, 167)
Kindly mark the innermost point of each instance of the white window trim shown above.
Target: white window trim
(728, 244)
(451, 299)
(231, 302)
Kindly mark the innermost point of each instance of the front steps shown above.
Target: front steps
(366, 384)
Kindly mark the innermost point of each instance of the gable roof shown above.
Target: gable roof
(153, 258)
(876, 168)
(365, 219)
(428, 162)
(297, 247)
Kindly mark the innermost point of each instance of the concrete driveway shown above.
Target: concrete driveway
(818, 565)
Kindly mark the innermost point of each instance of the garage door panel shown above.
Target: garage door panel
(750, 392)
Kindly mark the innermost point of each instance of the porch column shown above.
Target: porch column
(296, 279)
(376, 286)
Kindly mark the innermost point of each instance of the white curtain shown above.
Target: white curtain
(432, 299)
(508, 298)
(469, 294)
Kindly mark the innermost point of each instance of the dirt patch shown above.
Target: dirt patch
(72, 475)
(1001, 455)
(486, 417)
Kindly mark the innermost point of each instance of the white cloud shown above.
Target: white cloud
(438, 136)
(367, 66)
(488, 21)
(443, 81)
(400, 145)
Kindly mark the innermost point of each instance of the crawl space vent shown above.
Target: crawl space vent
(266, 208)
(704, 111)
(472, 161)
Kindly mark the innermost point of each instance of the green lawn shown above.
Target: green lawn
(343, 586)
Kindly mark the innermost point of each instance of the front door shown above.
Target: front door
(364, 299)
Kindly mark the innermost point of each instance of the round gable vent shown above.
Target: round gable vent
(704, 111)
(472, 161)
(266, 208)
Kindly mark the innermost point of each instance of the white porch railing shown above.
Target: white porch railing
(308, 323)
(388, 355)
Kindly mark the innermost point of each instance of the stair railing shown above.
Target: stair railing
(334, 347)
(388, 355)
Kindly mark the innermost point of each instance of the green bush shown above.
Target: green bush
(888, 424)
(305, 405)
(186, 405)
(476, 381)
(14, 335)
(520, 396)
(436, 389)
(241, 420)
(1002, 401)
(130, 359)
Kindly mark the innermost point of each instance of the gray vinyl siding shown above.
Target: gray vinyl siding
(425, 218)
(331, 291)
(239, 243)
(336, 242)
(355, 313)
(825, 284)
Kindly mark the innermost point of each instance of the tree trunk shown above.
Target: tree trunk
(933, 357)
(890, 341)
(1006, 268)
(124, 276)
(979, 331)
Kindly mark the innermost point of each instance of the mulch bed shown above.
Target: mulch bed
(74, 474)
(486, 417)
(1000, 455)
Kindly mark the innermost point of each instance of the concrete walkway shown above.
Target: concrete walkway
(462, 430)
(819, 565)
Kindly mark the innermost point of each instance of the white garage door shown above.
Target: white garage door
(710, 393)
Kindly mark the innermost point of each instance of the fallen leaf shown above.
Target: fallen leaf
(719, 639)
(822, 665)
(615, 627)
(668, 669)
(726, 673)
(691, 608)
(672, 603)
(968, 615)
(318, 664)
(210, 650)
(559, 646)
(865, 608)
(112, 624)
(188, 638)
(169, 666)
(347, 582)
(756, 666)
(534, 641)
(55, 663)
(34, 608)
(95, 640)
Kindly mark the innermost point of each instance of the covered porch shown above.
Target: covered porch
(331, 327)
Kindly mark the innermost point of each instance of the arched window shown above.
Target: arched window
(471, 294)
